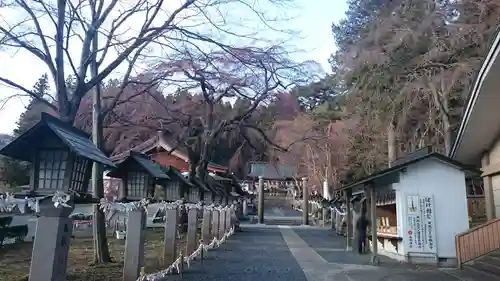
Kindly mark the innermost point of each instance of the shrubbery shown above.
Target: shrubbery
(18, 232)
(80, 217)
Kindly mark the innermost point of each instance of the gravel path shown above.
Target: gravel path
(256, 254)
(293, 254)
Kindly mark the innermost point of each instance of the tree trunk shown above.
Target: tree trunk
(60, 79)
(201, 168)
(206, 142)
(193, 159)
(192, 169)
(101, 250)
(446, 125)
(442, 103)
(391, 143)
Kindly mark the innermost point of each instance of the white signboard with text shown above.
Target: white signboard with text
(420, 233)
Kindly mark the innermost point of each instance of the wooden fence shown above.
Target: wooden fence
(478, 241)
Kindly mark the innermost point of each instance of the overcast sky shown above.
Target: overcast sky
(313, 22)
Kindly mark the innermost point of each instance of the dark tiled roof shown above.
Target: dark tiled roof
(198, 183)
(175, 173)
(239, 189)
(79, 142)
(143, 147)
(410, 159)
(215, 186)
(219, 178)
(153, 168)
(155, 142)
(144, 162)
(271, 171)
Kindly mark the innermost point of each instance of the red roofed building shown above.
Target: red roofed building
(164, 153)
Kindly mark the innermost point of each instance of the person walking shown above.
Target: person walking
(361, 226)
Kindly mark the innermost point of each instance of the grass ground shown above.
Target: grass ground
(15, 259)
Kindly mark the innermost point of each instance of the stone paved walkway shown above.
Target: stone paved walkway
(297, 254)
(256, 254)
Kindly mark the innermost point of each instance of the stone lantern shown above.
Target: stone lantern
(139, 175)
(61, 158)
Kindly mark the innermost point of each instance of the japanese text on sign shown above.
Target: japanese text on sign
(420, 232)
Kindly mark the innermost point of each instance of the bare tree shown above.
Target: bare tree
(322, 151)
(252, 74)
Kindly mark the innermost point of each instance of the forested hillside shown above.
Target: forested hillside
(404, 69)
(398, 81)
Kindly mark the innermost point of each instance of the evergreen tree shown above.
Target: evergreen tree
(71, 84)
(16, 173)
(35, 107)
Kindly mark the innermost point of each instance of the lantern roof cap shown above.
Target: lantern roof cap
(24, 146)
(173, 173)
(215, 186)
(152, 168)
(197, 182)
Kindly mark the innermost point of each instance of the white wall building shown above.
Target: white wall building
(430, 207)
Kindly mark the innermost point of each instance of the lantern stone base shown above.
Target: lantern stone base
(222, 223)
(169, 243)
(215, 224)
(134, 245)
(50, 251)
(245, 207)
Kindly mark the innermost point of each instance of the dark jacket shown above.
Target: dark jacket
(362, 224)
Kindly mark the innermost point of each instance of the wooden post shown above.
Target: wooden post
(222, 223)
(169, 242)
(229, 222)
(205, 226)
(192, 242)
(333, 218)
(134, 245)
(373, 213)
(489, 200)
(348, 230)
(215, 223)
(245, 207)
(305, 203)
(261, 200)
(324, 215)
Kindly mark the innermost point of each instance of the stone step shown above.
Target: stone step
(487, 265)
(468, 273)
(494, 254)
(484, 265)
(283, 222)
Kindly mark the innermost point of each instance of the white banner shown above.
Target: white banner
(420, 233)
